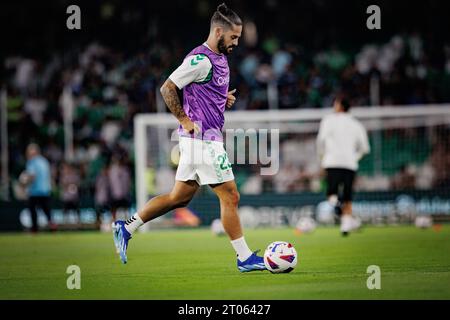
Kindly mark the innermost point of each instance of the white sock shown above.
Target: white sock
(346, 223)
(242, 250)
(133, 223)
(333, 200)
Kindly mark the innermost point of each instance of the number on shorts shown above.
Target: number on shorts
(224, 162)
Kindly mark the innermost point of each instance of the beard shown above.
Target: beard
(222, 47)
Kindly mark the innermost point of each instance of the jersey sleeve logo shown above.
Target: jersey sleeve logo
(195, 61)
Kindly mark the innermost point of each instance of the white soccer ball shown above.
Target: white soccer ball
(217, 228)
(424, 222)
(280, 257)
(306, 225)
(325, 213)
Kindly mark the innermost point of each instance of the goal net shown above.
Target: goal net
(277, 171)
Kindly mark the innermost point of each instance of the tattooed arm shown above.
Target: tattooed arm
(170, 96)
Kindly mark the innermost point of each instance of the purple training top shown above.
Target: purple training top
(204, 103)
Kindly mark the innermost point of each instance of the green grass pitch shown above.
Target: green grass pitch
(194, 264)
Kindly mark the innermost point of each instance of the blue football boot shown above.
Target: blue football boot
(253, 263)
(121, 237)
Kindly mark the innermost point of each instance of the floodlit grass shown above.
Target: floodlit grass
(194, 264)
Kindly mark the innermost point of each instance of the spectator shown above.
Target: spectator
(37, 177)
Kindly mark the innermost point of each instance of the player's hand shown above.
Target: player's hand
(189, 126)
(231, 99)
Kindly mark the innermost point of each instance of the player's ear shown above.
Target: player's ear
(218, 31)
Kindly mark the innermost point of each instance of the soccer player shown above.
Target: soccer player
(341, 143)
(204, 78)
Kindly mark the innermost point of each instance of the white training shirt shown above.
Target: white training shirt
(192, 70)
(342, 141)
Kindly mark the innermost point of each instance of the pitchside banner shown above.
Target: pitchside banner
(276, 210)
(267, 210)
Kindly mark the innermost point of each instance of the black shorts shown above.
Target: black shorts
(42, 202)
(340, 183)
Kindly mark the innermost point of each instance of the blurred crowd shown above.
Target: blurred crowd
(109, 87)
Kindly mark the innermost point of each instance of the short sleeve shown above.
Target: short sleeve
(195, 68)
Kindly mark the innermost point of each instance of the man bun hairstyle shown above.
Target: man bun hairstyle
(225, 17)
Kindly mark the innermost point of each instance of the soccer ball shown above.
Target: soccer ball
(217, 228)
(306, 225)
(325, 213)
(280, 257)
(423, 222)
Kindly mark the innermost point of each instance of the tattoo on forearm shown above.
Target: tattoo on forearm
(170, 96)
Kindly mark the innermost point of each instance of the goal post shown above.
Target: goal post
(402, 138)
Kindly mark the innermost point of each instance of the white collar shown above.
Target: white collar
(206, 45)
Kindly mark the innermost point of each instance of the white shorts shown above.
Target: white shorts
(203, 161)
